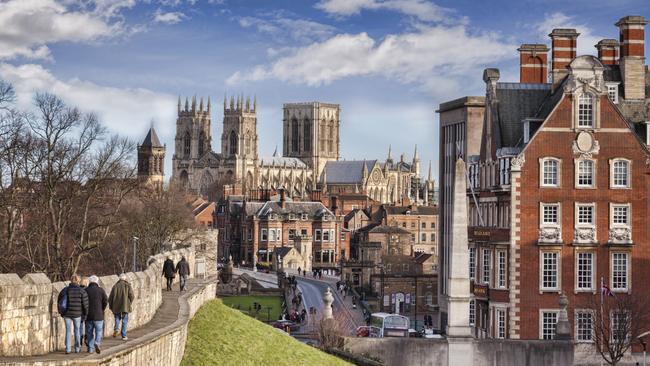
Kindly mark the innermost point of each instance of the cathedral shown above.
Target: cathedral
(310, 156)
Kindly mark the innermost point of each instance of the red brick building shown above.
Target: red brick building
(558, 194)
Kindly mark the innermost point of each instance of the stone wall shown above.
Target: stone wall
(31, 325)
(434, 352)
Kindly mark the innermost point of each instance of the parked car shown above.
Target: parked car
(363, 331)
(286, 324)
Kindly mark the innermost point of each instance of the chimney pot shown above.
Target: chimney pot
(563, 51)
(608, 51)
(533, 60)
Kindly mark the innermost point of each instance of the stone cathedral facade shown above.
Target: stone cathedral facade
(310, 159)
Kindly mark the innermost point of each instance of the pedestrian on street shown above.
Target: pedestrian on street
(298, 271)
(120, 302)
(72, 304)
(97, 303)
(169, 272)
(183, 269)
(84, 339)
(304, 273)
(320, 274)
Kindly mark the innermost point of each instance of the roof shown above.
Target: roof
(347, 171)
(353, 212)
(517, 101)
(423, 257)
(388, 230)
(312, 209)
(281, 161)
(282, 251)
(151, 140)
(413, 210)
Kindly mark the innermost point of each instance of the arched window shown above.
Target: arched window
(295, 132)
(331, 136)
(585, 111)
(187, 144)
(550, 174)
(620, 173)
(233, 143)
(586, 172)
(306, 135)
(201, 143)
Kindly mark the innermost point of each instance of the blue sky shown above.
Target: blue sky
(388, 63)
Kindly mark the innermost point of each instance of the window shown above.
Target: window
(303, 232)
(472, 263)
(585, 215)
(585, 111)
(404, 224)
(620, 175)
(584, 326)
(472, 312)
(317, 235)
(187, 144)
(433, 225)
(549, 320)
(264, 235)
(501, 323)
(620, 269)
(550, 213)
(424, 225)
(433, 237)
(502, 269)
(550, 266)
(332, 237)
(306, 135)
(412, 225)
(550, 172)
(233, 143)
(428, 299)
(273, 235)
(485, 277)
(620, 326)
(292, 233)
(585, 271)
(612, 93)
(249, 233)
(586, 173)
(423, 237)
(326, 235)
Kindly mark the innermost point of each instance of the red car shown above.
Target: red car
(286, 324)
(363, 331)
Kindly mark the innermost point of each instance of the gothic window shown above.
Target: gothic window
(306, 135)
(187, 143)
(201, 143)
(295, 144)
(331, 136)
(233, 143)
(586, 111)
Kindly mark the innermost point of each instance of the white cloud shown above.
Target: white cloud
(430, 56)
(27, 26)
(420, 9)
(284, 28)
(171, 17)
(124, 111)
(587, 39)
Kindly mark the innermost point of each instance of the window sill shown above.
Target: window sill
(550, 291)
(585, 244)
(620, 244)
(613, 187)
(586, 187)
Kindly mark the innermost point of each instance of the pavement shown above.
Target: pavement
(166, 314)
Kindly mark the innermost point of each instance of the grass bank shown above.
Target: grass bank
(271, 306)
(219, 335)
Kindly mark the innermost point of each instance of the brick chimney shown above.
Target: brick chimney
(632, 58)
(608, 51)
(533, 63)
(563, 51)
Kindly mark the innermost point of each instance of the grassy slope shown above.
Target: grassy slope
(246, 302)
(219, 335)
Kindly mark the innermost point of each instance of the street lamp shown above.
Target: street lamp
(643, 343)
(135, 242)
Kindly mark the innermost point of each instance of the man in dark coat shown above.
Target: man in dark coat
(169, 272)
(183, 269)
(97, 303)
(120, 301)
(76, 307)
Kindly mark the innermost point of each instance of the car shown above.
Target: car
(286, 324)
(363, 331)
(430, 334)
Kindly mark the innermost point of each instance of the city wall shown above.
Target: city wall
(29, 321)
(434, 352)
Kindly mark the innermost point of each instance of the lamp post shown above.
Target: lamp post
(135, 242)
(643, 343)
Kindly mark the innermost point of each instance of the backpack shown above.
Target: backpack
(62, 305)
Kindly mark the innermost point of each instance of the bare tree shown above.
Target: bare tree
(617, 321)
(329, 332)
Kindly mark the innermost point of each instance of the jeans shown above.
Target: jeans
(94, 332)
(70, 323)
(183, 281)
(169, 283)
(124, 318)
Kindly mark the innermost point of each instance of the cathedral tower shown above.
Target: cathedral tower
(151, 160)
(193, 138)
(311, 133)
(239, 137)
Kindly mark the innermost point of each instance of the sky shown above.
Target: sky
(388, 63)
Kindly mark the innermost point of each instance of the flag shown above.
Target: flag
(606, 291)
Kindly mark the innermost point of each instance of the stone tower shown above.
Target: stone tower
(239, 137)
(311, 133)
(192, 140)
(151, 160)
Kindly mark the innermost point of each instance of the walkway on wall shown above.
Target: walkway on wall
(166, 314)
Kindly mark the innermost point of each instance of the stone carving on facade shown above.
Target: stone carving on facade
(620, 235)
(586, 145)
(517, 162)
(585, 235)
(550, 235)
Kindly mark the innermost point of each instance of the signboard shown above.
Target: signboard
(481, 233)
(481, 291)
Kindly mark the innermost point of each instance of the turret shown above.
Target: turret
(179, 104)
(416, 161)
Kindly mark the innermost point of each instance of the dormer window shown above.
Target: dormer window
(586, 111)
(612, 92)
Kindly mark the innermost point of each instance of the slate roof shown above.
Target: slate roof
(516, 102)
(281, 161)
(282, 251)
(314, 210)
(347, 171)
(385, 229)
(151, 140)
(414, 210)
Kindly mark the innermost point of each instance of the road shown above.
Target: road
(312, 293)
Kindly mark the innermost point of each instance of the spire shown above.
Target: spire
(255, 103)
(248, 104)
(275, 152)
(415, 154)
(194, 103)
(390, 157)
(187, 104)
(151, 140)
(365, 169)
(224, 102)
(179, 104)
(209, 105)
(232, 103)
(429, 176)
(201, 105)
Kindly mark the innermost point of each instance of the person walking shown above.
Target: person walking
(73, 306)
(97, 303)
(183, 269)
(120, 301)
(84, 338)
(169, 272)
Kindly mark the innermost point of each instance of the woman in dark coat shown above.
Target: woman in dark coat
(169, 272)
